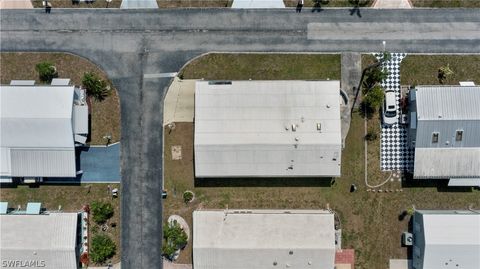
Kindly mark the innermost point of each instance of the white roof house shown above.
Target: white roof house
(37, 128)
(238, 239)
(43, 241)
(446, 239)
(445, 128)
(267, 129)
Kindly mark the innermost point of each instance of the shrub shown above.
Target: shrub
(187, 196)
(103, 248)
(96, 87)
(101, 212)
(46, 71)
(374, 76)
(371, 135)
(174, 237)
(410, 211)
(444, 72)
(374, 98)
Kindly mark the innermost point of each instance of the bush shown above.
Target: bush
(103, 248)
(374, 98)
(96, 87)
(371, 135)
(46, 71)
(443, 73)
(187, 196)
(174, 238)
(373, 77)
(101, 212)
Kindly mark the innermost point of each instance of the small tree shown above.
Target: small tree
(96, 87)
(101, 212)
(46, 71)
(374, 76)
(374, 98)
(371, 135)
(103, 248)
(174, 238)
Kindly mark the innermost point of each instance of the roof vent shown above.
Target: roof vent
(296, 139)
(328, 106)
(319, 127)
(294, 128)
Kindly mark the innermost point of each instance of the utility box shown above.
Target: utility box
(407, 239)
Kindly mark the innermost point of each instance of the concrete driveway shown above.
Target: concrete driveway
(179, 104)
(15, 4)
(132, 46)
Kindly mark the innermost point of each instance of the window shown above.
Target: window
(459, 135)
(435, 137)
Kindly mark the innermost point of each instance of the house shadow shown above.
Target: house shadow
(440, 184)
(263, 182)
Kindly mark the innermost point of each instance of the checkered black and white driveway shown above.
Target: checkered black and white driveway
(394, 151)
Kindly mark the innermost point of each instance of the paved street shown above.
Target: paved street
(135, 47)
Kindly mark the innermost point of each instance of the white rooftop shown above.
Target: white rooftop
(263, 239)
(36, 131)
(49, 239)
(267, 128)
(451, 238)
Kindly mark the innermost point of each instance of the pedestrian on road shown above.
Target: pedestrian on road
(299, 6)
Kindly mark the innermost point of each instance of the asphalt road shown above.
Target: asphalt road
(128, 44)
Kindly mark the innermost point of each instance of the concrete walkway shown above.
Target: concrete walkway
(392, 4)
(179, 104)
(15, 4)
(139, 4)
(351, 66)
(258, 4)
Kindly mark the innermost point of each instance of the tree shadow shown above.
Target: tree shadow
(317, 5)
(440, 184)
(264, 182)
(356, 6)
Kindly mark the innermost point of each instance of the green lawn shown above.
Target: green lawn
(446, 3)
(71, 198)
(263, 66)
(423, 69)
(105, 114)
(370, 221)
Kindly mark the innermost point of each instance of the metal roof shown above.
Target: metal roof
(448, 102)
(36, 131)
(49, 238)
(267, 128)
(452, 239)
(447, 163)
(252, 239)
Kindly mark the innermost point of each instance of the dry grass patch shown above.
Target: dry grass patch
(446, 3)
(70, 4)
(219, 66)
(71, 198)
(423, 69)
(330, 3)
(193, 3)
(105, 114)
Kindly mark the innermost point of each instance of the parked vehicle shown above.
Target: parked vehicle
(389, 109)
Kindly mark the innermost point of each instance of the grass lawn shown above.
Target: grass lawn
(330, 3)
(69, 4)
(263, 66)
(370, 221)
(423, 69)
(105, 114)
(71, 198)
(446, 3)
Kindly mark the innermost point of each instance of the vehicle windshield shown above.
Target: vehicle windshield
(390, 114)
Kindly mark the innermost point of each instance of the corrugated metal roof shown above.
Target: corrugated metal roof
(440, 163)
(262, 238)
(245, 128)
(36, 131)
(448, 103)
(451, 239)
(49, 238)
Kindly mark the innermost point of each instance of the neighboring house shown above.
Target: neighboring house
(267, 129)
(39, 126)
(446, 239)
(47, 241)
(445, 131)
(238, 239)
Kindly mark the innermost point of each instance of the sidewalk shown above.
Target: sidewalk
(139, 4)
(15, 4)
(392, 4)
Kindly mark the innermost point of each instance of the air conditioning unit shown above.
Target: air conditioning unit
(407, 239)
